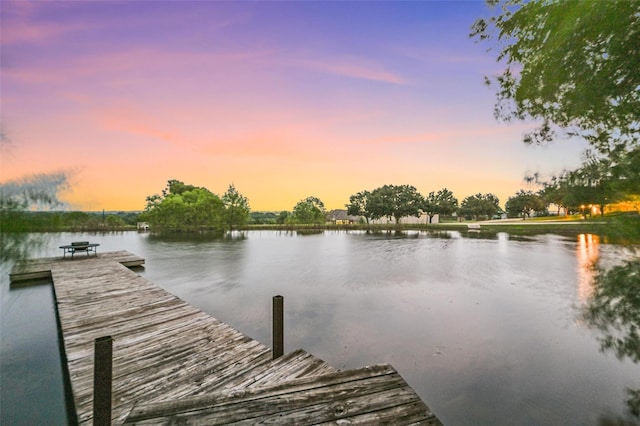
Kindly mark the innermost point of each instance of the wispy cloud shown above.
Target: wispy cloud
(25, 22)
(434, 55)
(403, 139)
(350, 68)
(292, 141)
(19, 24)
(136, 64)
(447, 135)
(31, 32)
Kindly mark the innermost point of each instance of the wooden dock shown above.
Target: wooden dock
(174, 364)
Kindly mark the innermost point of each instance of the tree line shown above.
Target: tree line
(43, 221)
(184, 207)
(398, 201)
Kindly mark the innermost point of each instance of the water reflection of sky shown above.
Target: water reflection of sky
(483, 329)
(31, 388)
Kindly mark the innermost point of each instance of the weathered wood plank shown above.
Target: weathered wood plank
(163, 347)
(234, 396)
(293, 365)
(176, 363)
(21, 270)
(18, 276)
(374, 394)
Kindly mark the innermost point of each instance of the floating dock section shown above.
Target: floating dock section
(174, 364)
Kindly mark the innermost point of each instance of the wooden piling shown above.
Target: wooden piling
(278, 326)
(102, 378)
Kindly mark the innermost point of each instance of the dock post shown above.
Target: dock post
(102, 377)
(278, 326)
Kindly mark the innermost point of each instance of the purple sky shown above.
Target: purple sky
(283, 99)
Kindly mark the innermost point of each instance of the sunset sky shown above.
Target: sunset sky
(282, 99)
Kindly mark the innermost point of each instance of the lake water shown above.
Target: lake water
(486, 330)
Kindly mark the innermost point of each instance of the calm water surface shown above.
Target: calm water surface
(486, 330)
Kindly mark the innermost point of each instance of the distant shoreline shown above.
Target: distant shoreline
(626, 230)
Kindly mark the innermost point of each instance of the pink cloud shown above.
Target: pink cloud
(19, 25)
(133, 64)
(295, 141)
(27, 32)
(404, 139)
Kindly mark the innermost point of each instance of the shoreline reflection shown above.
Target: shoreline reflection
(587, 254)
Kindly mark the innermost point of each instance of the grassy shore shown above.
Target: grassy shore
(613, 228)
(624, 229)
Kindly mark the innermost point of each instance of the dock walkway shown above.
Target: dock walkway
(173, 363)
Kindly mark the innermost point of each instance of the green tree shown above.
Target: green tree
(480, 205)
(115, 221)
(236, 208)
(263, 218)
(358, 205)
(554, 193)
(625, 170)
(443, 203)
(130, 218)
(595, 183)
(76, 219)
(309, 211)
(176, 187)
(184, 208)
(395, 201)
(283, 217)
(598, 181)
(571, 64)
(523, 203)
(614, 309)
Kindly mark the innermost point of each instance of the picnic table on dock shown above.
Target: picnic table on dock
(85, 246)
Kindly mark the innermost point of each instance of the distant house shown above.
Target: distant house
(423, 219)
(340, 217)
